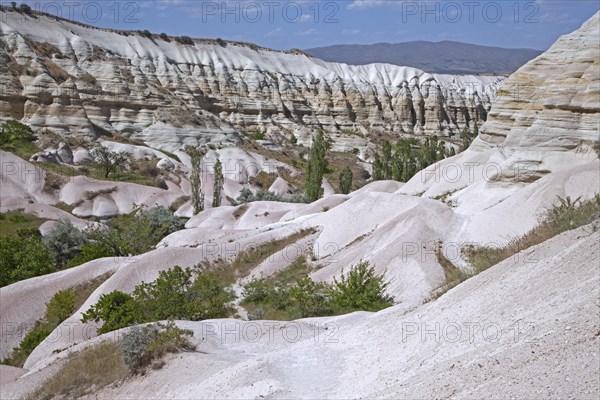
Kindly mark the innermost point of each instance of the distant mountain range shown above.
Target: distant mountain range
(436, 57)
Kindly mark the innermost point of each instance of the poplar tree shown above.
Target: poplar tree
(196, 155)
(317, 166)
(218, 186)
(346, 177)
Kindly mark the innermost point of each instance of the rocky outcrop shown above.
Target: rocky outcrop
(536, 144)
(553, 102)
(82, 80)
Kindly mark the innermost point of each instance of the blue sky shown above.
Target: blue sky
(285, 24)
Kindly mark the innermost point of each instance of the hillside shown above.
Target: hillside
(444, 57)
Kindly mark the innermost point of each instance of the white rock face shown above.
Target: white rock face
(535, 146)
(83, 80)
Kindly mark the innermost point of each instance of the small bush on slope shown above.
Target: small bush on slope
(173, 295)
(566, 215)
(136, 232)
(108, 363)
(59, 308)
(291, 294)
(361, 289)
(142, 345)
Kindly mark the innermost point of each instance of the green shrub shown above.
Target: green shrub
(291, 294)
(246, 196)
(58, 309)
(173, 295)
(28, 344)
(310, 298)
(22, 257)
(162, 218)
(360, 290)
(136, 232)
(25, 8)
(90, 251)
(185, 40)
(116, 309)
(64, 242)
(143, 345)
(257, 291)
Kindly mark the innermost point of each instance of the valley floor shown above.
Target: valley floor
(527, 328)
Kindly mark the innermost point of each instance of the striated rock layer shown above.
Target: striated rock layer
(82, 80)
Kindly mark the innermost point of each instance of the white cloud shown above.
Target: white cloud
(308, 32)
(350, 31)
(274, 32)
(305, 18)
(362, 4)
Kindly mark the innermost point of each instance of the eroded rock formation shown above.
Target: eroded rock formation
(81, 80)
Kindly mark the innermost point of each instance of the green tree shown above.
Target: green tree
(196, 154)
(346, 177)
(386, 161)
(14, 131)
(317, 166)
(378, 174)
(25, 8)
(108, 161)
(129, 234)
(219, 180)
(404, 164)
(360, 289)
(465, 139)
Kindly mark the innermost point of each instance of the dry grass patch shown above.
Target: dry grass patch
(263, 179)
(241, 210)
(180, 201)
(453, 274)
(87, 78)
(566, 215)
(247, 260)
(53, 182)
(56, 72)
(43, 49)
(91, 195)
(85, 372)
